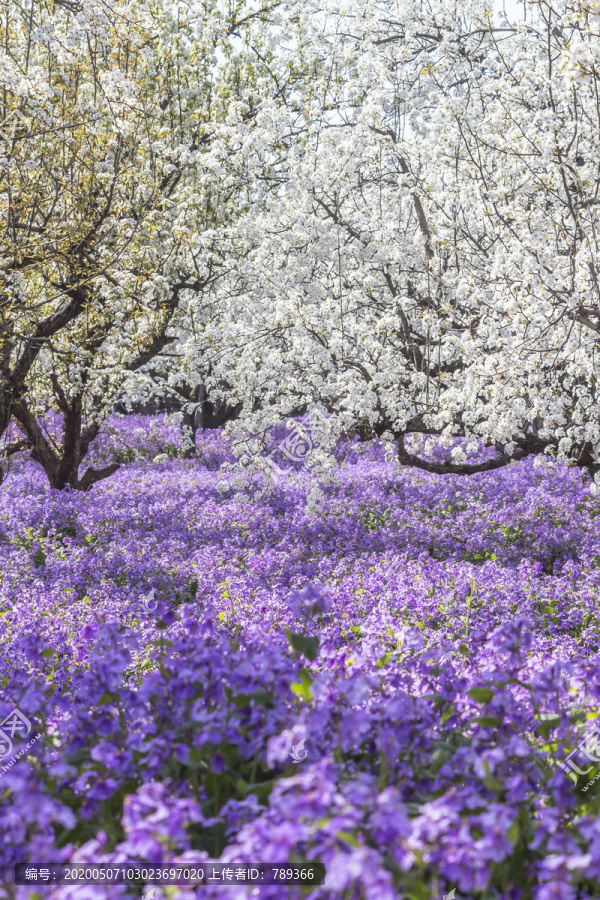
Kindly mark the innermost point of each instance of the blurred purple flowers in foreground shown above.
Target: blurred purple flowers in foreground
(312, 601)
(428, 645)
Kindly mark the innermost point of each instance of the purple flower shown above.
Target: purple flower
(313, 601)
(458, 668)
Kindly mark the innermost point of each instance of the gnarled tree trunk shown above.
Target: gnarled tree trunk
(61, 462)
(206, 414)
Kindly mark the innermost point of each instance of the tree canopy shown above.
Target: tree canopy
(384, 214)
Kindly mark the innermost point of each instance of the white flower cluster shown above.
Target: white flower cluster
(426, 258)
(390, 224)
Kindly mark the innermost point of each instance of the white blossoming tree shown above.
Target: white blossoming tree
(426, 260)
(384, 214)
(115, 189)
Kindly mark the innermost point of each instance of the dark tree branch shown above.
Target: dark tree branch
(92, 476)
(527, 445)
(15, 447)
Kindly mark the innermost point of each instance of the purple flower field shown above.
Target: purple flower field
(392, 681)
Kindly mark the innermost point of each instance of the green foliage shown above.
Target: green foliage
(306, 645)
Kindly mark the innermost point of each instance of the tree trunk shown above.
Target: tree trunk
(214, 415)
(61, 464)
(206, 415)
(189, 422)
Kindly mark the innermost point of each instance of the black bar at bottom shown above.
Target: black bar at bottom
(169, 873)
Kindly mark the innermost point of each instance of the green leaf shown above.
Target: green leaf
(492, 721)
(303, 643)
(418, 892)
(492, 783)
(383, 660)
(481, 694)
(513, 832)
(447, 713)
(262, 789)
(262, 698)
(196, 759)
(464, 649)
(302, 688)
(49, 651)
(348, 838)
(241, 787)
(548, 722)
(242, 701)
